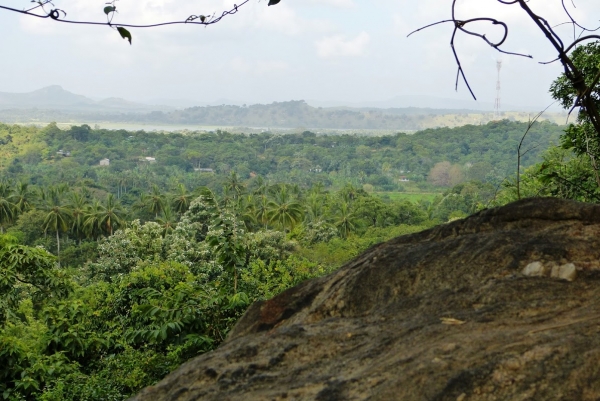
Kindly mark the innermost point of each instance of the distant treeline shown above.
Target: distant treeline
(292, 114)
(485, 153)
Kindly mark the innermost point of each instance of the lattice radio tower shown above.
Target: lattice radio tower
(497, 102)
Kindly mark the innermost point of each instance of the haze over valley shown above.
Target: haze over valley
(56, 104)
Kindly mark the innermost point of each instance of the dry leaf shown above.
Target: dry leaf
(451, 321)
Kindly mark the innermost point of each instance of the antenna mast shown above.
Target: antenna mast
(497, 102)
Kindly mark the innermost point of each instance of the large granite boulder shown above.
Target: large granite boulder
(504, 305)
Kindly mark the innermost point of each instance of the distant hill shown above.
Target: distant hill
(53, 103)
(48, 97)
(56, 98)
(298, 114)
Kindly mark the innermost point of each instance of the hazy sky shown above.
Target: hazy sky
(341, 50)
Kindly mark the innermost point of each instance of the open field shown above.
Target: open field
(410, 196)
(187, 128)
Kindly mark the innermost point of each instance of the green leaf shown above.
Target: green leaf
(109, 9)
(125, 34)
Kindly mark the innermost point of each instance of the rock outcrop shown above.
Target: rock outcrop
(452, 313)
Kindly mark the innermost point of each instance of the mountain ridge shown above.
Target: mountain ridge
(55, 97)
(53, 103)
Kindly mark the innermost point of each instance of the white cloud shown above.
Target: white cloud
(258, 67)
(277, 52)
(37, 26)
(400, 25)
(340, 46)
(335, 3)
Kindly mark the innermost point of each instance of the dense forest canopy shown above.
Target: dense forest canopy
(486, 153)
(115, 274)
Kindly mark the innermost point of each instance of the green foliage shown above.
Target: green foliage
(125, 34)
(562, 174)
(338, 251)
(304, 159)
(7, 208)
(283, 210)
(158, 261)
(27, 273)
(28, 226)
(172, 308)
(264, 280)
(319, 231)
(587, 59)
(582, 137)
(122, 252)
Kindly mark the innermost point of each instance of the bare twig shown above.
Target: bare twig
(519, 154)
(584, 100)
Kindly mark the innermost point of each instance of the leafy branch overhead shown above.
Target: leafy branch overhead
(45, 9)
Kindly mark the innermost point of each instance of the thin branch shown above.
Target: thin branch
(584, 100)
(519, 154)
(460, 25)
(428, 26)
(581, 39)
(55, 13)
(573, 21)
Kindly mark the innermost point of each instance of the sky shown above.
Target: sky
(340, 51)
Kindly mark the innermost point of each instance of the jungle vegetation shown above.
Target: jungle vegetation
(113, 275)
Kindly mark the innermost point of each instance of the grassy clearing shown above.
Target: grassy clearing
(410, 196)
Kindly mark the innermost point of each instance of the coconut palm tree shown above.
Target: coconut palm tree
(181, 201)
(318, 188)
(345, 220)
(315, 207)
(58, 215)
(348, 193)
(41, 197)
(210, 200)
(78, 204)
(140, 205)
(156, 201)
(260, 186)
(246, 209)
(168, 221)
(261, 210)
(7, 208)
(122, 183)
(22, 197)
(110, 214)
(283, 210)
(91, 224)
(234, 185)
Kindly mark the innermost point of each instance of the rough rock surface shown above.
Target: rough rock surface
(445, 314)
